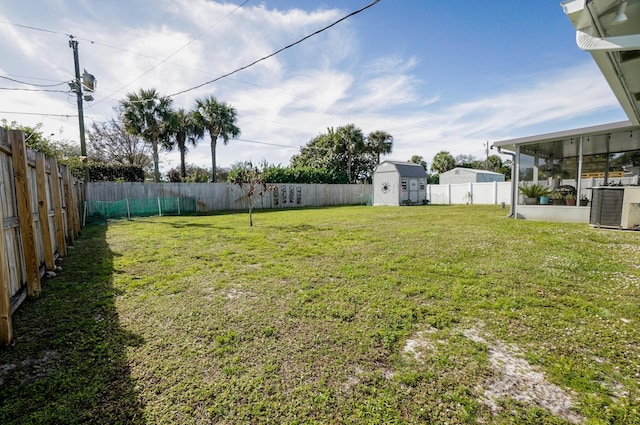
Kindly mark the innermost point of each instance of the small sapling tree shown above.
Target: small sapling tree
(252, 185)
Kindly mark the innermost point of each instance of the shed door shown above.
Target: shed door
(413, 190)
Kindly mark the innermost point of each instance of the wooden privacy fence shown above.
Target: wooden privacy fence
(226, 196)
(39, 207)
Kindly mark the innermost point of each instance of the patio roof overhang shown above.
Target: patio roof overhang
(609, 31)
(600, 139)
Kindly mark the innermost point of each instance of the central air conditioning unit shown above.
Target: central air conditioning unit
(616, 207)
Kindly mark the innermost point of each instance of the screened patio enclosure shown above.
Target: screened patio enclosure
(582, 159)
(590, 160)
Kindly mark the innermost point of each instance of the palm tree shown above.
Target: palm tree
(146, 114)
(417, 159)
(351, 139)
(184, 129)
(380, 143)
(443, 162)
(219, 119)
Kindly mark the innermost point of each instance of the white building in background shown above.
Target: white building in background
(469, 175)
(399, 183)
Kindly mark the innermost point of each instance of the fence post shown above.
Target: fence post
(159, 209)
(25, 212)
(128, 210)
(43, 211)
(6, 328)
(178, 199)
(56, 194)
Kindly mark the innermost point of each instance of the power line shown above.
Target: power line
(171, 55)
(111, 47)
(267, 143)
(50, 31)
(277, 51)
(174, 53)
(39, 90)
(36, 28)
(32, 84)
(31, 78)
(39, 114)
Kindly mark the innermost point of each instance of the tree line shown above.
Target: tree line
(146, 121)
(341, 155)
(443, 161)
(126, 148)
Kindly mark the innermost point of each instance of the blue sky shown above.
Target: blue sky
(437, 75)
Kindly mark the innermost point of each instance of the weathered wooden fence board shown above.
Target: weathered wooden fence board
(6, 328)
(58, 207)
(32, 214)
(43, 211)
(25, 211)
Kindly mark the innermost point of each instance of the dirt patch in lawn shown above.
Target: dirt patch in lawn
(514, 377)
(418, 343)
(518, 380)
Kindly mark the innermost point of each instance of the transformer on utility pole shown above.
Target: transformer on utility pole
(87, 81)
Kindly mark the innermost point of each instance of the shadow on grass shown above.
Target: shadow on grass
(69, 362)
(184, 224)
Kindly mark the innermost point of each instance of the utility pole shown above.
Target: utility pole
(486, 149)
(88, 82)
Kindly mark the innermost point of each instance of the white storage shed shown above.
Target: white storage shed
(399, 183)
(469, 175)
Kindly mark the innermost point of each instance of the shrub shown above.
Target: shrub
(534, 190)
(112, 173)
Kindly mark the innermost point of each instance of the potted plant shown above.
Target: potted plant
(570, 199)
(532, 192)
(544, 199)
(584, 201)
(557, 198)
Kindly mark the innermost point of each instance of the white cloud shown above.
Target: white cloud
(464, 127)
(288, 99)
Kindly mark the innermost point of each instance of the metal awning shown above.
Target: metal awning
(609, 30)
(600, 139)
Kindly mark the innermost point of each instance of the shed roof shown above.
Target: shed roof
(407, 169)
(471, 171)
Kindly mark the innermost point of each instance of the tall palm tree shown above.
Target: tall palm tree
(184, 129)
(380, 143)
(351, 139)
(146, 114)
(219, 119)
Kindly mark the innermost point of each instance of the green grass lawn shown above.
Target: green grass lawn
(355, 315)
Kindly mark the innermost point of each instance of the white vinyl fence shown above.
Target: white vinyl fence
(470, 193)
(499, 192)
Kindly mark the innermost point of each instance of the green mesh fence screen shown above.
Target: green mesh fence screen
(96, 211)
